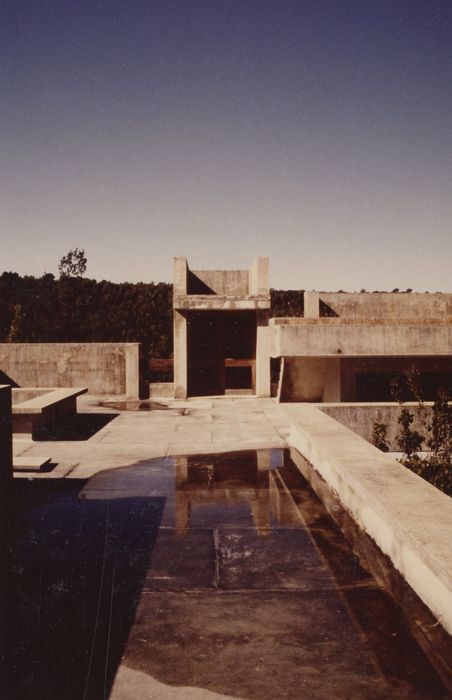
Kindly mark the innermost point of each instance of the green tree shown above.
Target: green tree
(73, 264)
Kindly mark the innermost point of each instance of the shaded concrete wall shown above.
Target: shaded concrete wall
(352, 367)
(6, 443)
(105, 368)
(387, 305)
(360, 418)
(312, 379)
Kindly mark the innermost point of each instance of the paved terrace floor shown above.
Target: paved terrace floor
(134, 589)
(173, 427)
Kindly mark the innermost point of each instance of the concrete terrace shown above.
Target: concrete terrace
(173, 427)
(213, 604)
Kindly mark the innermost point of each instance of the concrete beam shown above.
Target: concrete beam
(305, 337)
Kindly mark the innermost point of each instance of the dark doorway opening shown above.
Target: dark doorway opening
(221, 352)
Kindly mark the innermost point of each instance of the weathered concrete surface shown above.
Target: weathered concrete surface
(105, 368)
(213, 291)
(305, 337)
(172, 428)
(360, 418)
(258, 596)
(44, 411)
(414, 306)
(6, 444)
(409, 519)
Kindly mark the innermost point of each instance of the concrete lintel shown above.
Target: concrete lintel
(199, 302)
(410, 520)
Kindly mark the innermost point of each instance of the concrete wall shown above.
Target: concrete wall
(410, 520)
(6, 444)
(105, 368)
(312, 379)
(360, 418)
(334, 336)
(259, 277)
(388, 305)
(224, 282)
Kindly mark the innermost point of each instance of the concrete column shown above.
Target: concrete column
(6, 438)
(132, 370)
(180, 356)
(258, 277)
(311, 305)
(262, 355)
(332, 388)
(180, 276)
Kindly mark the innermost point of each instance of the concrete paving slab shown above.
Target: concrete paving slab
(228, 643)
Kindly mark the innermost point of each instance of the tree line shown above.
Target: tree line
(76, 309)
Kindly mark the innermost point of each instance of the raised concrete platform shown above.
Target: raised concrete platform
(410, 520)
(30, 464)
(43, 409)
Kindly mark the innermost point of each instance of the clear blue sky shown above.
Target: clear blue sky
(318, 132)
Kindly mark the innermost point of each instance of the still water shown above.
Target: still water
(221, 572)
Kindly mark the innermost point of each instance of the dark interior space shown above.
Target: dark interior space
(378, 386)
(221, 351)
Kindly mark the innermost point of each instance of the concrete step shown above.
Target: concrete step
(29, 463)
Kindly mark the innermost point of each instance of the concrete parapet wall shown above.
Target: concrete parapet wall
(333, 336)
(105, 368)
(410, 520)
(224, 282)
(412, 306)
(360, 418)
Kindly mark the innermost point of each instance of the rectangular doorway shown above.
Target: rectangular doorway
(221, 352)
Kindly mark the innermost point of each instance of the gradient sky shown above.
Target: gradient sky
(317, 132)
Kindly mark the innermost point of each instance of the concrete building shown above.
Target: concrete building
(348, 347)
(221, 333)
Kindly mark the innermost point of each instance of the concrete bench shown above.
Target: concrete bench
(46, 410)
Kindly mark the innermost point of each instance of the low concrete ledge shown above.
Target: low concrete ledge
(45, 408)
(410, 520)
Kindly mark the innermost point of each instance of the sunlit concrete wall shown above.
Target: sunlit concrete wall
(413, 306)
(105, 368)
(409, 519)
(334, 336)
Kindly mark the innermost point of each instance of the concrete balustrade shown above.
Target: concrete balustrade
(410, 520)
